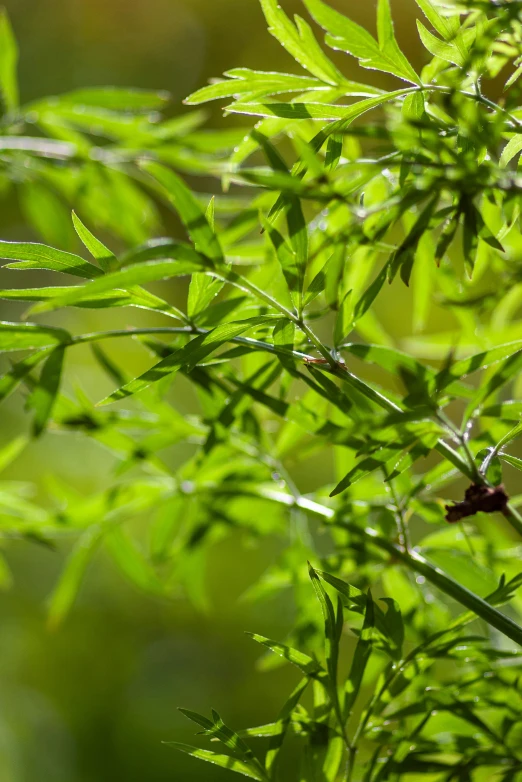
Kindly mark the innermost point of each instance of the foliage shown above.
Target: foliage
(288, 361)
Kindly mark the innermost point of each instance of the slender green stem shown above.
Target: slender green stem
(255, 344)
(412, 559)
(404, 535)
(478, 97)
(246, 285)
(445, 583)
(393, 671)
(350, 765)
(380, 399)
(464, 466)
(323, 350)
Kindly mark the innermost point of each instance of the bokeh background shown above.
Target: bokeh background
(93, 700)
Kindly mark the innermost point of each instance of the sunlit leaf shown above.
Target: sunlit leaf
(348, 36)
(224, 761)
(39, 256)
(99, 252)
(8, 64)
(28, 336)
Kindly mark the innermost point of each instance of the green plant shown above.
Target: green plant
(284, 346)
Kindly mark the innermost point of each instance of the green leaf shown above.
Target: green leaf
(44, 394)
(65, 592)
(395, 361)
(507, 411)
(292, 270)
(28, 336)
(370, 294)
(300, 42)
(283, 723)
(131, 561)
(216, 729)
(509, 369)
(360, 658)
(413, 107)
(112, 298)
(244, 80)
(150, 271)
(447, 26)
(449, 229)
(514, 461)
(291, 111)
(161, 249)
(402, 258)
(392, 628)
(419, 450)
(389, 46)
(8, 64)
(442, 49)
(116, 98)
(512, 148)
(365, 466)
(224, 761)
(315, 111)
(333, 625)
(298, 233)
(11, 451)
(203, 289)
(187, 357)
(188, 208)
(306, 664)
(353, 595)
(12, 379)
(99, 252)
(352, 38)
(39, 256)
(483, 360)
(509, 437)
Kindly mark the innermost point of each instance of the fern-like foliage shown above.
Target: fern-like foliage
(344, 205)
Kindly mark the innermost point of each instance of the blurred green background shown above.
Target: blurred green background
(92, 701)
